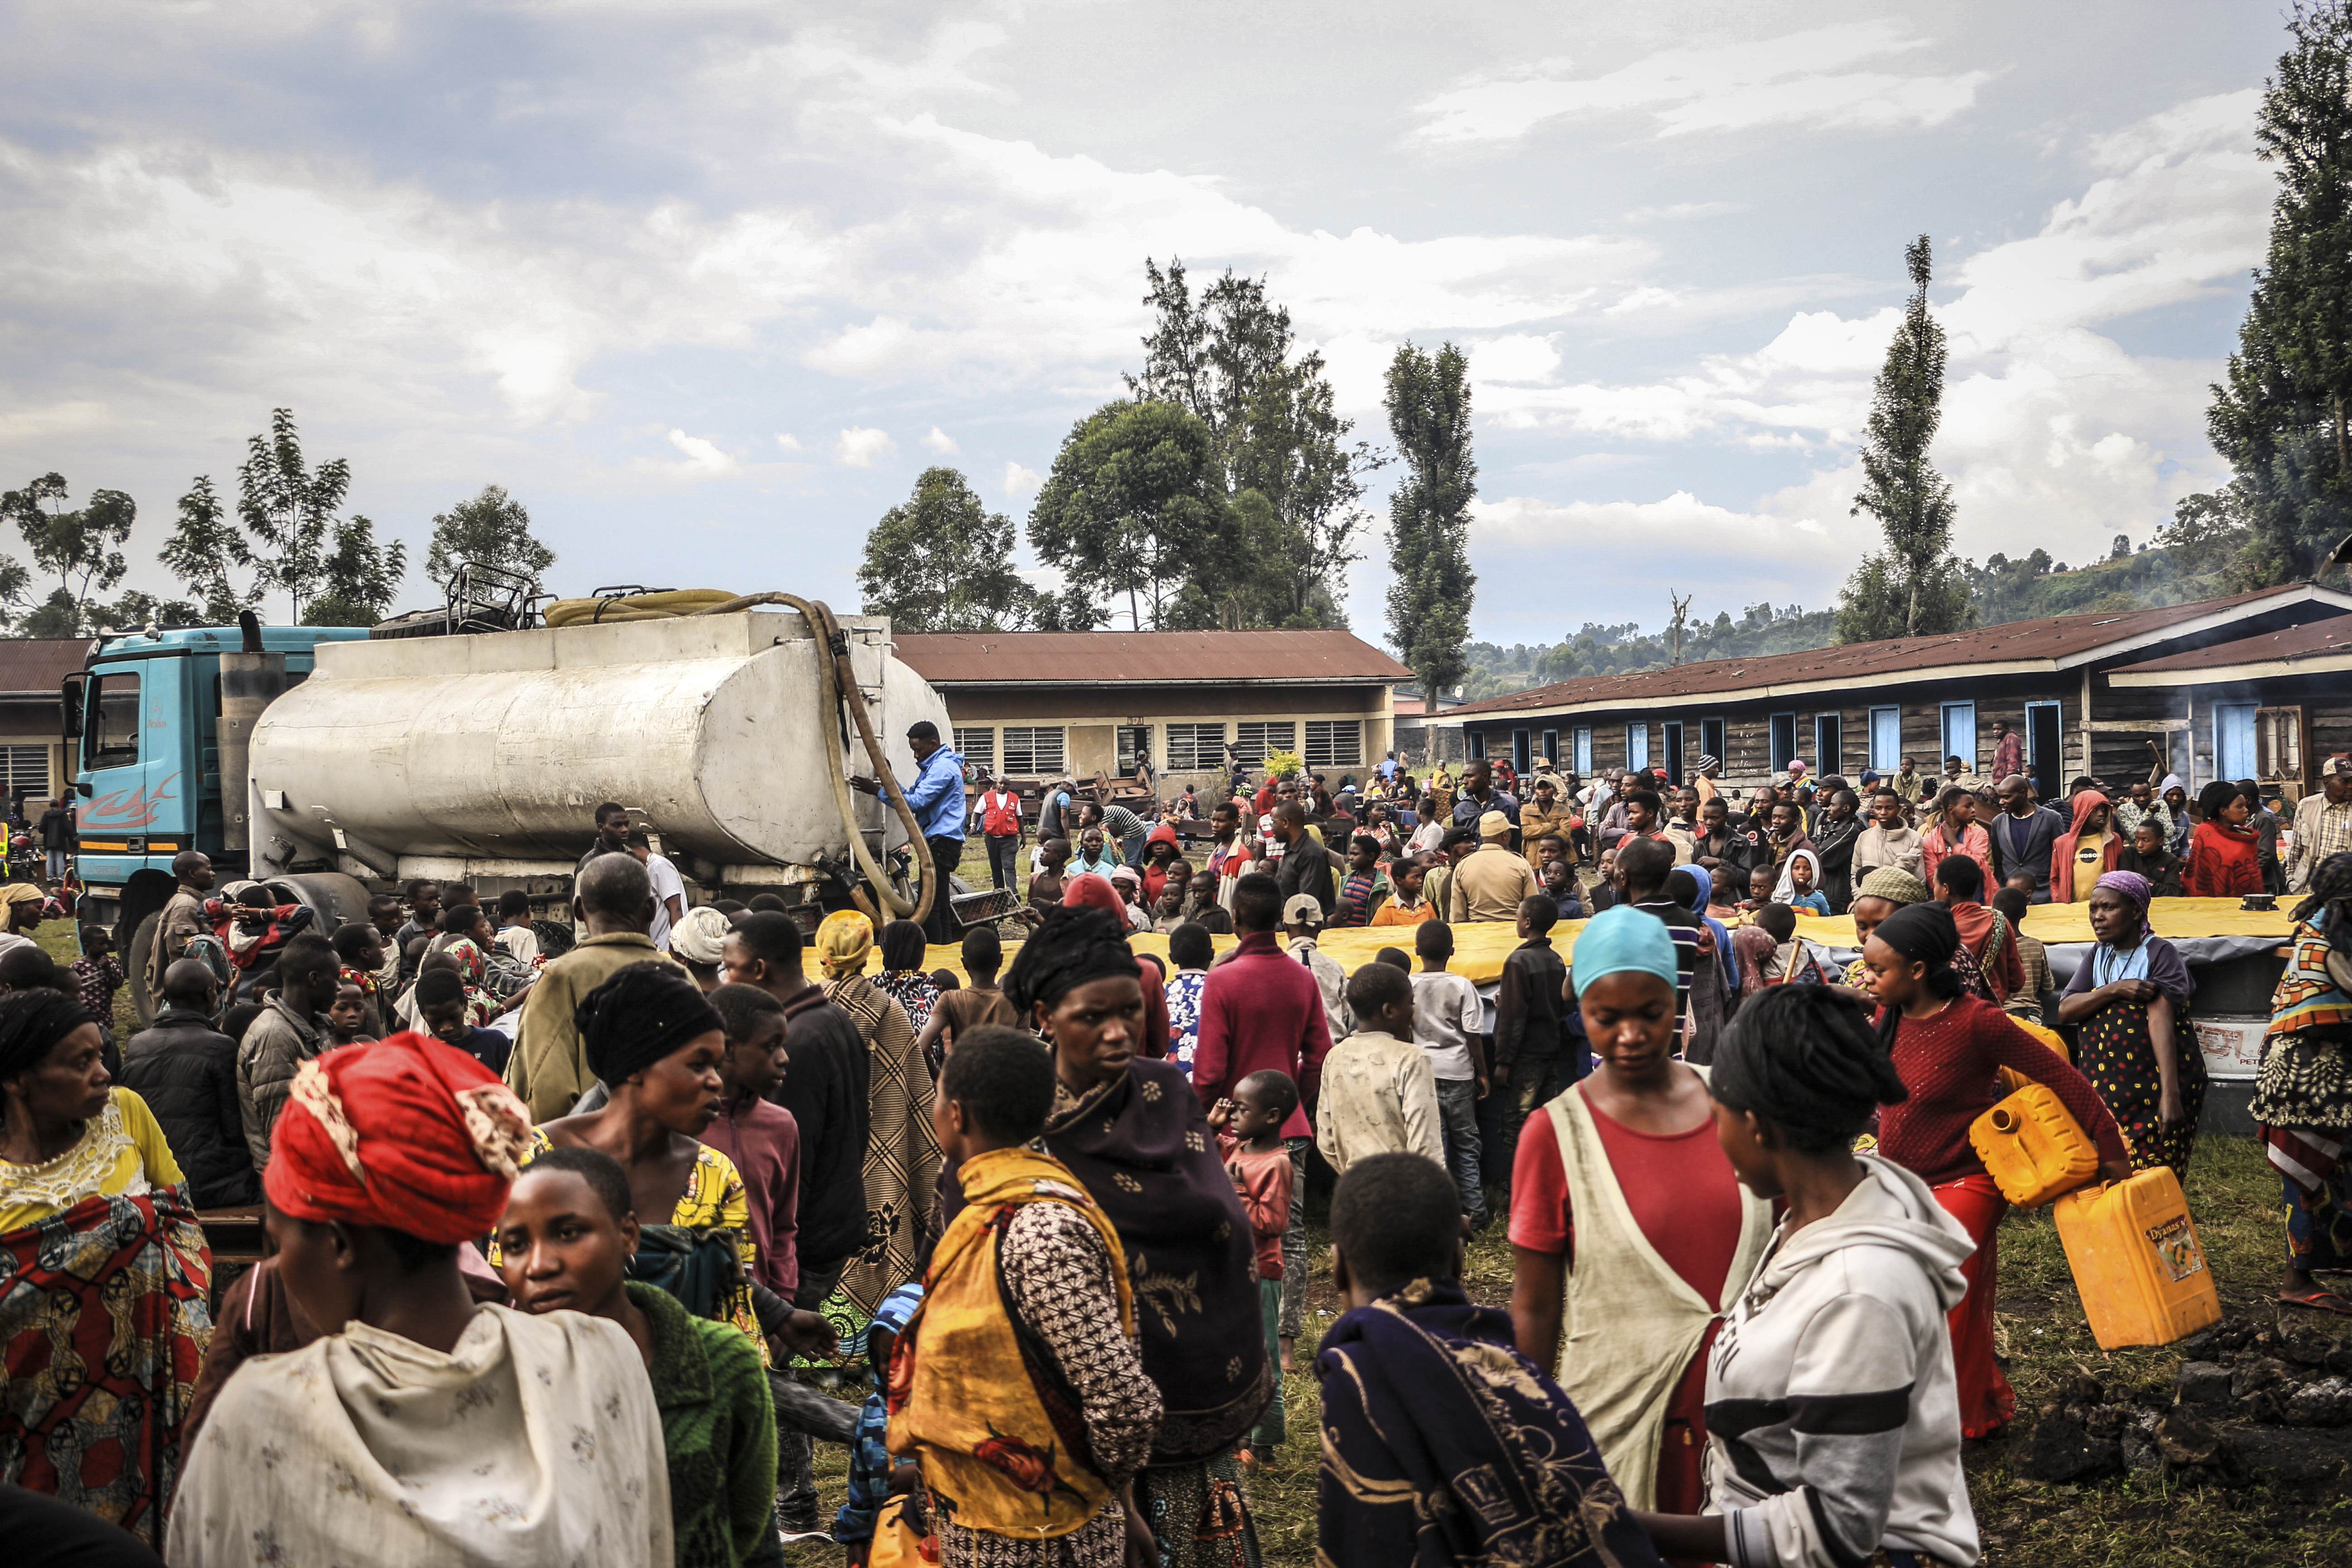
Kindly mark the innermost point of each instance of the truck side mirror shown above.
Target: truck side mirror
(84, 788)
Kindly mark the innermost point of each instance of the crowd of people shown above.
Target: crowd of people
(569, 1220)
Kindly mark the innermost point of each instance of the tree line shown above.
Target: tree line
(1224, 492)
(282, 531)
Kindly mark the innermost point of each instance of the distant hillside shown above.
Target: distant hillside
(2000, 590)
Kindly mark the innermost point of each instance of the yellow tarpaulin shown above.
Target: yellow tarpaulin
(1479, 949)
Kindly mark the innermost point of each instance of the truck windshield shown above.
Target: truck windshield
(113, 737)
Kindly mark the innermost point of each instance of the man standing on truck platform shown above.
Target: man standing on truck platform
(670, 888)
(936, 798)
(611, 835)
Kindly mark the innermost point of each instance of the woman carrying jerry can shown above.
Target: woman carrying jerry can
(2130, 997)
(1948, 1046)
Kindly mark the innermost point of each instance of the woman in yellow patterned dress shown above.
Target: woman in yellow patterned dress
(655, 1043)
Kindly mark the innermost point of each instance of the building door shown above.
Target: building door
(1675, 754)
(2045, 749)
(1885, 740)
(1960, 735)
(1828, 743)
(2233, 740)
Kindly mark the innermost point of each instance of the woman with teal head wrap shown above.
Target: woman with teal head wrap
(1663, 1231)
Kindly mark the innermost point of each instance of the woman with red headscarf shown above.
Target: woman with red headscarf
(421, 1427)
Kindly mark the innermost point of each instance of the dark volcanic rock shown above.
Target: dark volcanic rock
(2272, 1455)
(2184, 1439)
(2327, 1402)
(2061, 1451)
(2203, 1382)
(2261, 1373)
(2304, 1344)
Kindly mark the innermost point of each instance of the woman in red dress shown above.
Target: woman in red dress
(1948, 1046)
(2222, 861)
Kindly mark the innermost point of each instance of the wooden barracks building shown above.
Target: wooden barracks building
(2088, 693)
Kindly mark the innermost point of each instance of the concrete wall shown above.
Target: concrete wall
(1091, 719)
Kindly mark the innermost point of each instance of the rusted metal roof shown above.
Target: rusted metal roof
(36, 665)
(1157, 658)
(2328, 643)
(2051, 643)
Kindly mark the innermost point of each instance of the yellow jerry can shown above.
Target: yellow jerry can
(2138, 1263)
(2032, 1148)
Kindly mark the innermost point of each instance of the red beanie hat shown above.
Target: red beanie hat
(407, 1133)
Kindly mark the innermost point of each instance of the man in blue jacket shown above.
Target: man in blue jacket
(936, 797)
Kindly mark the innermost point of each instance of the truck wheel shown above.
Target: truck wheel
(340, 900)
(142, 947)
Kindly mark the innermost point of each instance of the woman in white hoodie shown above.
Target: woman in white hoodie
(1832, 1420)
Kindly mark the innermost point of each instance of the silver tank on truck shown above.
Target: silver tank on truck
(483, 756)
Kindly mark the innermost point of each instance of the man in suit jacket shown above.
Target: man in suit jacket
(2022, 836)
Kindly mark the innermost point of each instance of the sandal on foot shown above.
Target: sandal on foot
(2318, 1300)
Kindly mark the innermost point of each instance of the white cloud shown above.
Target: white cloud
(788, 441)
(1684, 210)
(1021, 483)
(861, 447)
(939, 441)
(1520, 356)
(701, 456)
(1797, 79)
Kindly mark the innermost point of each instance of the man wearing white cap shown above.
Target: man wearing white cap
(2322, 822)
(1492, 882)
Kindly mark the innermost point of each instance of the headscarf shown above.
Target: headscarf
(1893, 884)
(701, 937)
(1622, 938)
(32, 1022)
(1093, 890)
(1786, 891)
(1075, 944)
(20, 893)
(2135, 892)
(842, 940)
(640, 1015)
(406, 1133)
(1759, 956)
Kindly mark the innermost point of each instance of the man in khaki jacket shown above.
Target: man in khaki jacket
(1545, 812)
(612, 898)
(1492, 882)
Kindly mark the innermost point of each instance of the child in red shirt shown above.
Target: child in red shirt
(1249, 1136)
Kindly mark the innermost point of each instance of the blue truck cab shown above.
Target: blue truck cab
(145, 709)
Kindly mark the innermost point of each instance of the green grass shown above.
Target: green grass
(2116, 1522)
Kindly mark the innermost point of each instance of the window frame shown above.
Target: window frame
(1581, 743)
(1029, 733)
(975, 743)
(1969, 757)
(1330, 757)
(1829, 756)
(95, 756)
(1893, 762)
(1265, 739)
(1774, 753)
(1714, 738)
(1194, 735)
(2253, 742)
(1637, 759)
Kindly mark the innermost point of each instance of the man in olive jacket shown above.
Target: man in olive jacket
(613, 900)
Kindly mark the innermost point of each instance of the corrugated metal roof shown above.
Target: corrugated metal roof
(2313, 641)
(37, 664)
(1162, 658)
(2051, 640)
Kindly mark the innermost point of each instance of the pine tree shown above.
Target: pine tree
(1916, 586)
(2284, 418)
(1428, 403)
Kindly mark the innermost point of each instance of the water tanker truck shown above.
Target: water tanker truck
(330, 764)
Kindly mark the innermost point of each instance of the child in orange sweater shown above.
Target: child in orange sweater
(1249, 1136)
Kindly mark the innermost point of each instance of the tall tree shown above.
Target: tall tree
(2284, 418)
(357, 578)
(1428, 402)
(204, 543)
(290, 509)
(492, 527)
(1916, 586)
(1226, 357)
(1135, 507)
(941, 561)
(81, 547)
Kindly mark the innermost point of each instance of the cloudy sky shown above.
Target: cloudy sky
(706, 284)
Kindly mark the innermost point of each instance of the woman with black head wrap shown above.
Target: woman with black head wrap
(655, 1040)
(1833, 1417)
(103, 1324)
(2303, 1093)
(1131, 1129)
(1948, 1045)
